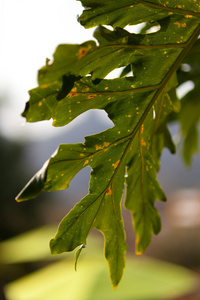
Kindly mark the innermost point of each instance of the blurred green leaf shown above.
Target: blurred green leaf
(27, 247)
(143, 279)
(189, 115)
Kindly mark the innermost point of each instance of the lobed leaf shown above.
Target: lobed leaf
(139, 106)
(132, 12)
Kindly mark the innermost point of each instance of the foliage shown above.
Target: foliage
(59, 281)
(140, 106)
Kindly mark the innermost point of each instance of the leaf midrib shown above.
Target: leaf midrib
(131, 137)
(160, 88)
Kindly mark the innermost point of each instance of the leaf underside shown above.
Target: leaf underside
(126, 156)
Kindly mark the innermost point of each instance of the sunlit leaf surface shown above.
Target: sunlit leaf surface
(139, 107)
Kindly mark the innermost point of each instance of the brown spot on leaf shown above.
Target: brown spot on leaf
(82, 51)
(92, 96)
(109, 191)
(72, 93)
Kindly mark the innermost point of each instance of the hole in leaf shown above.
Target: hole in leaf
(115, 73)
(135, 28)
(79, 186)
(153, 29)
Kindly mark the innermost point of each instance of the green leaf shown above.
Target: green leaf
(190, 104)
(139, 106)
(78, 252)
(132, 12)
(191, 112)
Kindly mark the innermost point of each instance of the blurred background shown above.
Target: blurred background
(29, 33)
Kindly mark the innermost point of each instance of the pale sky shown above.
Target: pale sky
(30, 31)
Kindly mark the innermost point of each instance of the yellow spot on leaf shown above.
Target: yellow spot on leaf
(177, 23)
(106, 144)
(184, 25)
(123, 40)
(98, 147)
(43, 86)
(188, 16)
(74, 90)
(40, 103)
(138, 252)
(82, 155)
(106, 88)
(143, 143)
(72, 93)
(85, 90)
(119, 132)
(116, 164)
(136, 243)
(86, 162)
(129, 116)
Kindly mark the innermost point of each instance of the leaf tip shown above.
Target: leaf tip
(78, 252)
(138, 252)
(17, 199)
(52, 245)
